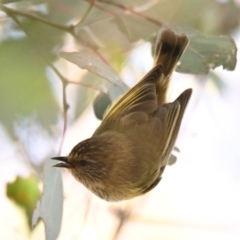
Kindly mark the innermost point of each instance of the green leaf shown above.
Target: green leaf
(50, 207)
(207, 52)
(100, 105)
(87, 60)
(172, 159)
(103, 101)
(25, 192)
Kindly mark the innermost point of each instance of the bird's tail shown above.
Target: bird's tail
(169, 49)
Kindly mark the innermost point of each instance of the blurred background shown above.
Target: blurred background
(62, 63)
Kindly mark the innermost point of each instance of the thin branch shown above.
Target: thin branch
(131, 10)
(68, 29)
(64, 102)
(88, 86)
(86, 14)
(11, 12)
(65, 109)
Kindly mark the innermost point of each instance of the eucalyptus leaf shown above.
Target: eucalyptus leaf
(50, 207)
(103, 101)
(87, 60)
(207, 52)
(172, 159)
(100, 105)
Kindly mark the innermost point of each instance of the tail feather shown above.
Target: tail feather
(169, 49)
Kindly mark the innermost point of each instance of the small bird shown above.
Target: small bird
(128, 152)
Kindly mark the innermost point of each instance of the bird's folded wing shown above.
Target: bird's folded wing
(170, 116)
(142, 97)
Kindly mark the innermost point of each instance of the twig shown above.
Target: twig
(88, 86)
(65, 108)
(11, 12)
(64, 102)
(86, 14)
(131, 10)
(68, 29)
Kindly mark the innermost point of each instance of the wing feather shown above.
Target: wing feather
(142, 94)
(171, 115)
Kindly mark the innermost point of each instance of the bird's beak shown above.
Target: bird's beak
(63, 164)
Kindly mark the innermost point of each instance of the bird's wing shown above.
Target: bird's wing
(142, 97)
(169, 117)
(135, 105)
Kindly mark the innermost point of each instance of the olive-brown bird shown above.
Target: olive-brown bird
(128, 152)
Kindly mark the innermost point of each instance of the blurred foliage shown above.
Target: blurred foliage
(97, 36)
(25, 192)
(24, 86)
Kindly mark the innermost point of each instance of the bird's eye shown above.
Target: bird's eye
(83, 163)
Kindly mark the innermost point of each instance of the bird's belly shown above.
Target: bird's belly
(123, 190)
